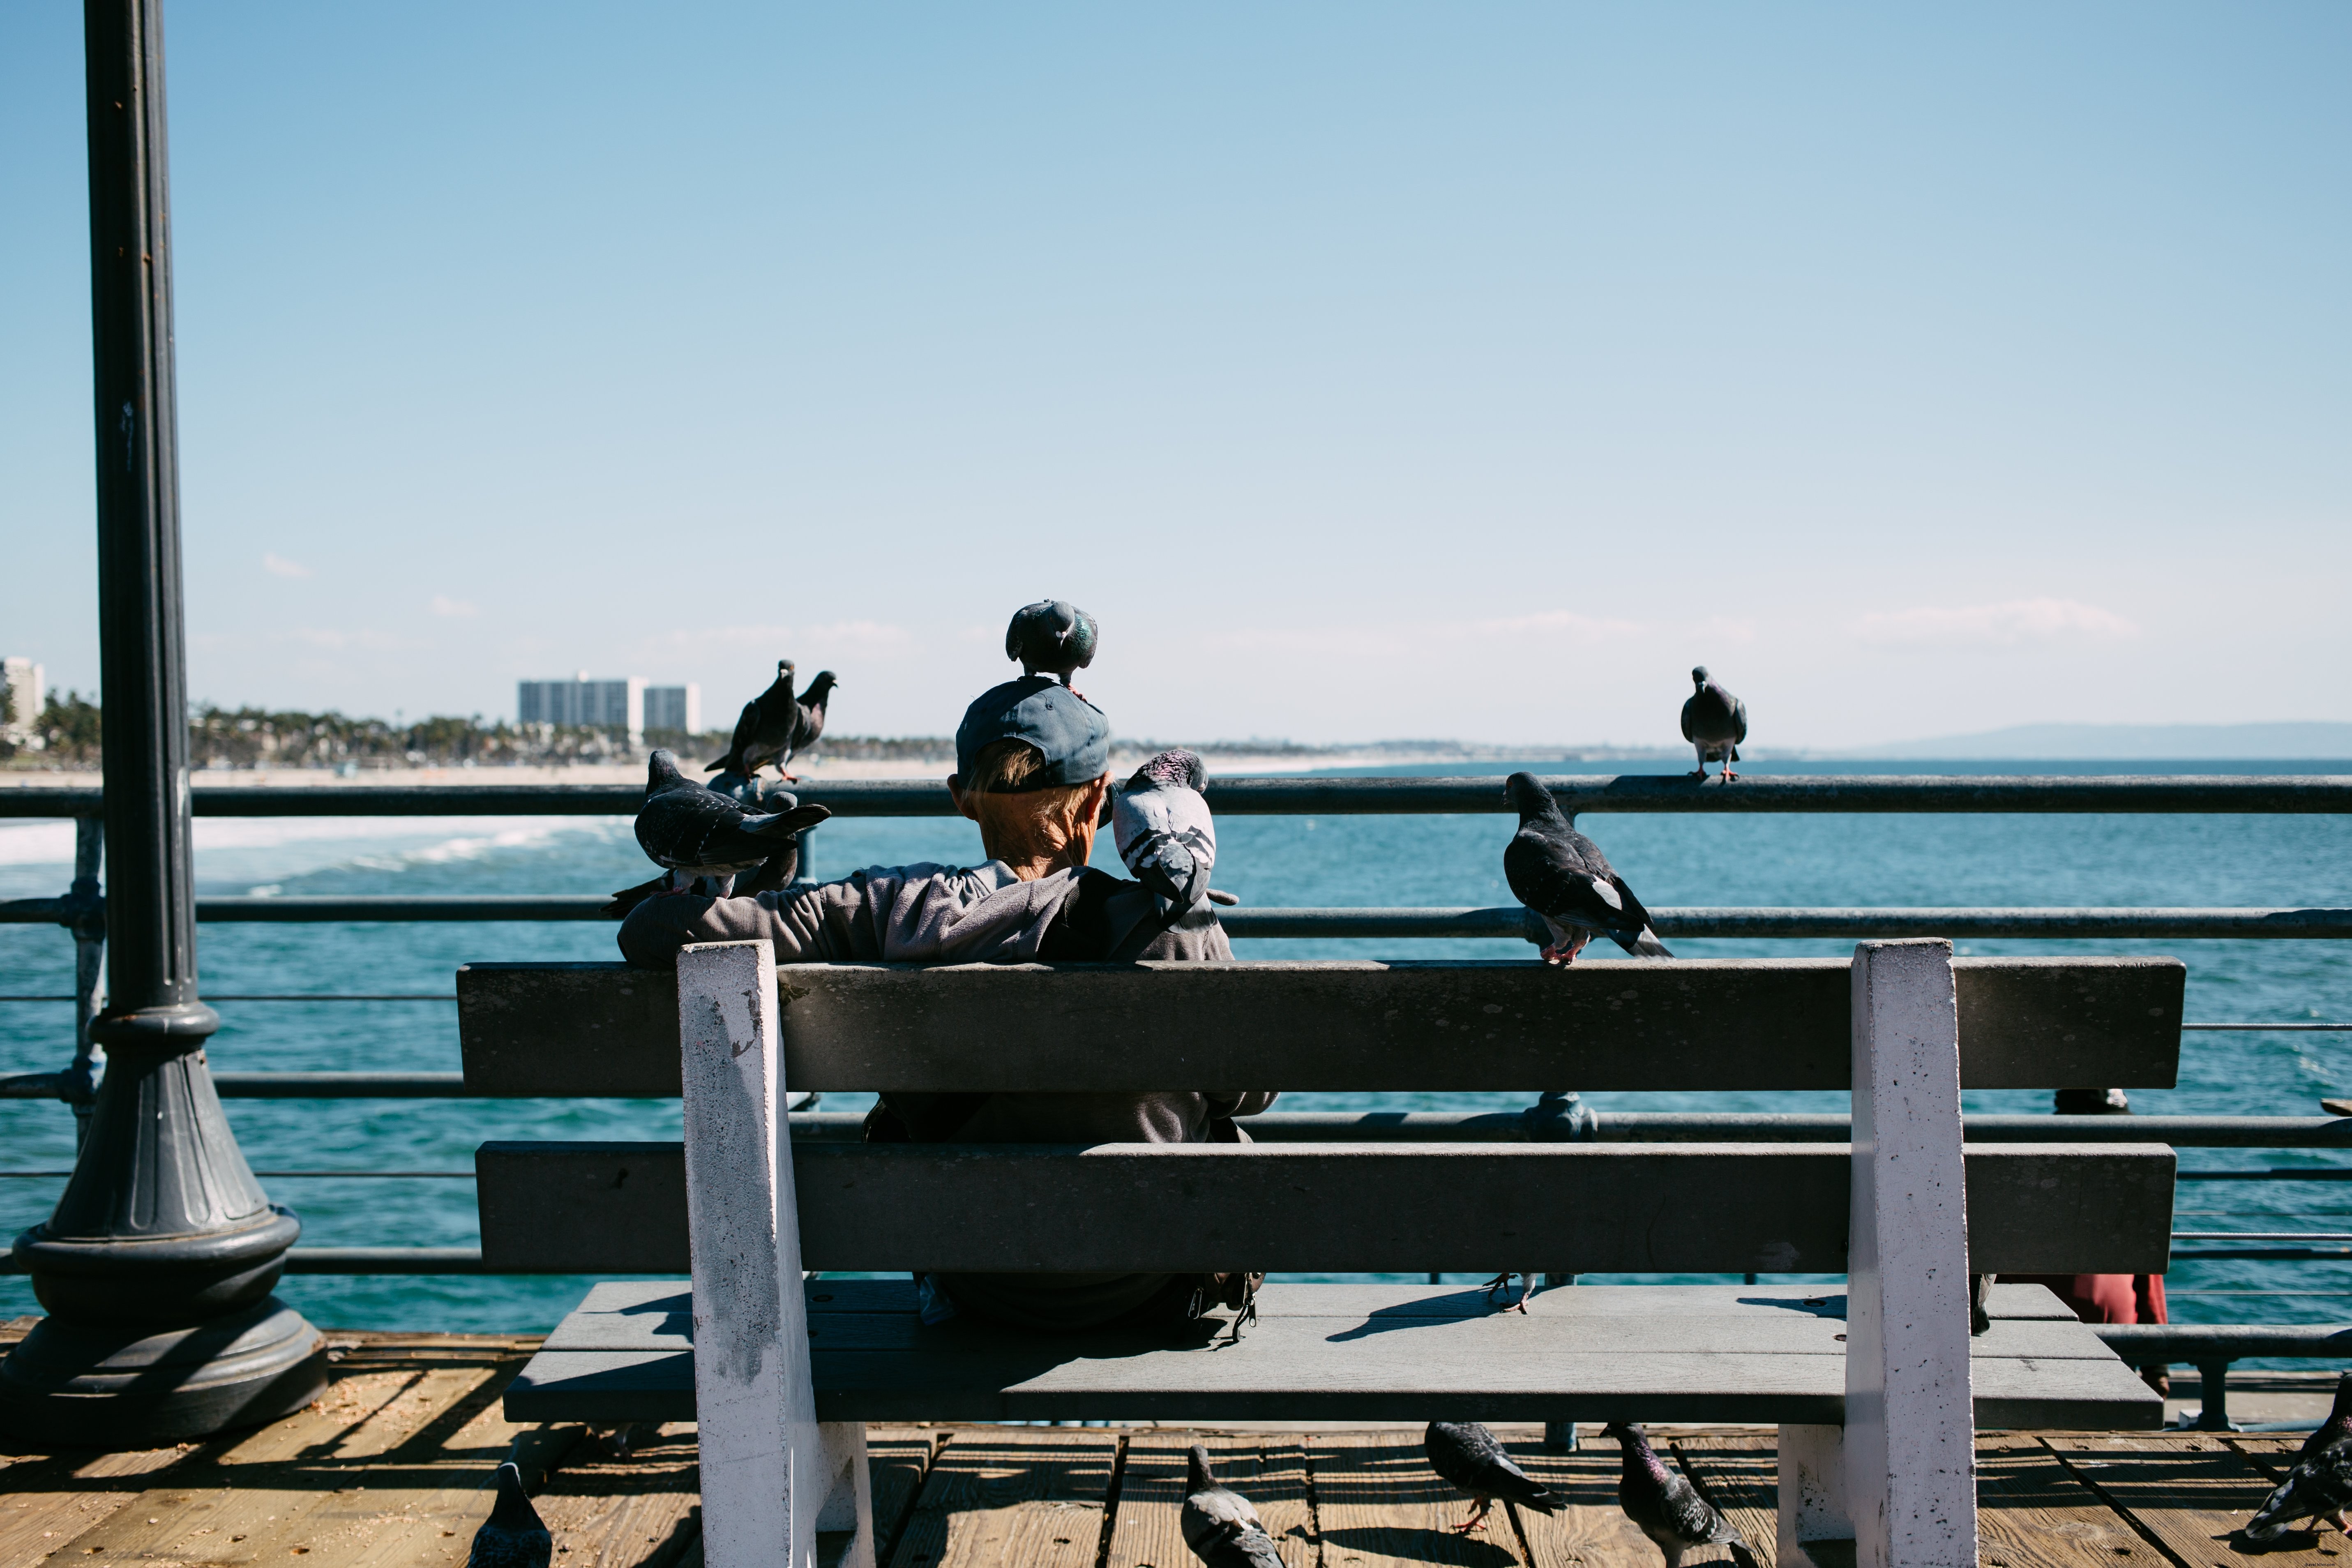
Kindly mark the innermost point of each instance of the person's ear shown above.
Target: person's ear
(955, 793)
(1100, 800)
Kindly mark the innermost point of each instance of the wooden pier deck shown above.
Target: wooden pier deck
(388, 1470)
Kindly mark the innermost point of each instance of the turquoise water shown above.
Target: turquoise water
(1371, 860)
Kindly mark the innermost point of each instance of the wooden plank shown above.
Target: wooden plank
(1148, 1531)
(1011, 1499)
(1715, 1025)
(638, 1511)
(1588, 1528)
(897, 1461)
(1740, 1476)
(2190, 1492)
(1379, 1505)
(578, 1208)
(47, 1501)
(2032, 1513)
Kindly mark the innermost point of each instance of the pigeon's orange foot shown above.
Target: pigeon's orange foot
(1477, 1521)
(1728, 774)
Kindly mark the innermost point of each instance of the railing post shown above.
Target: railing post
(157, 1266)
(79, 1085)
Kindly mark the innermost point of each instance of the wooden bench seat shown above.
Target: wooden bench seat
(1871, 1385)
(1337, 1353)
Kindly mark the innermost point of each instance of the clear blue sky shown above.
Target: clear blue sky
(1368, 370)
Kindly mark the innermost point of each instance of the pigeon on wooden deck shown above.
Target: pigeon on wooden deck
(1663, 1505)
(1562, 875)
(1715, 721)
(1466, 1454)
(2337, 1428)
(1220, 1526)
(1164, 832)
(763, 729)
(513, 1536)
(2319, 1487)
(695, 833)
(1052, 638)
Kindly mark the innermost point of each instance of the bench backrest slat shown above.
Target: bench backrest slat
(1754, 1023)
(567, 1208)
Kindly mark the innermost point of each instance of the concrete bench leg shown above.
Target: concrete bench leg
(844, 1525)
(1910, 1429)
(770, 1475)
(1812, 1499)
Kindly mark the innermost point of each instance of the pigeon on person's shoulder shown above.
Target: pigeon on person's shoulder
(1466, 1454)
(2319, 1487)
(514, 1536)
(1663, 1505)
(764, 728)
(1715, 721)
(694, 833)
(1165, 835)
(1220, 1526)
(1052, 638)
(1562, 875)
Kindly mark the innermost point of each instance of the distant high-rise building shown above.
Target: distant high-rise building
(674, 708)
(582, 703)
(20, 712)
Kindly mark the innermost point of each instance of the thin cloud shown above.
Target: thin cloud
(278, 566)
(2010, 623)
(816, 641)
(449, 608)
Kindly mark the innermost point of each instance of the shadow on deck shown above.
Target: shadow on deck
(391, 1467)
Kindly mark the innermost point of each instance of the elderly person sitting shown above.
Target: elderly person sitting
(1033, 770)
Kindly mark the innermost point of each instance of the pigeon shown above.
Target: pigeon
(2319, 1487)
(1466, 1454)
(1052, 638)
(513, 1536)
(1715, 722)
(765, 725)
(1562, 875)
(1503, 1282)
(1220, 1526)
(1665, 1506)
(695, 833)
(1164, 832)
(2337, 1428)
(775, 725)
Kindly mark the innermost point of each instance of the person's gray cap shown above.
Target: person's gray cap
(1070, 731)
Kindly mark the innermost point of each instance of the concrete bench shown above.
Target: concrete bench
(1876, 1387)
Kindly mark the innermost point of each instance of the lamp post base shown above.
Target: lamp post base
(122, 1386)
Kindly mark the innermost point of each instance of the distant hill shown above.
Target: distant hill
(2119, 742)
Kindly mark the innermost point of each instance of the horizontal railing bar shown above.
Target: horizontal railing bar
(1502, 923)
(2262, 1254)
(301, 1175)
(2334, 1236)
(2282, 1029)
(342, 1086)
(291, 996)
(2276, 1174)
(1315, 796)
(2140, 1342)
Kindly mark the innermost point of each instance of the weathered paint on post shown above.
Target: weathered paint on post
(765, 1471)
(1910, 1430)
(1812, 1495)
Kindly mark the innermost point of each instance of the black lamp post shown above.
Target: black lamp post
(157, 1267)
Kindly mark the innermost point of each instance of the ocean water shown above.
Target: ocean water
(1371, 860)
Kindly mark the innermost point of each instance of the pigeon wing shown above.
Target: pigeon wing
(1690, 719)
(2320, 1485)
(1739, 720)
(1223, 1530)
(1552, 879)
(1691, 1516)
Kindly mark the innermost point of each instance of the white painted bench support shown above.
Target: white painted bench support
(771, 1477)
(1812, 1497)
(1910, 1431)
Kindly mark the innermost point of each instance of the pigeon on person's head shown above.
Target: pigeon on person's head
(764, 728)
(1164, 832)
(1562, 875)
(1663, 1505)
(1466, 1454)
(694, 834)
(1220, 1526)
(1052, 638)
(514, 1536)
(2319, 1487)
(1715, 721)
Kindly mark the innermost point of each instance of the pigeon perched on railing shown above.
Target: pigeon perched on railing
(775, 725)
(2319, 1487)
(695, 833)
(1562, 875)
(1715, 722)
(1466, 1454)
(1163, 829)
(1052, 638)
(513, 1536)
(1663, 1505)
(1220, 1526)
